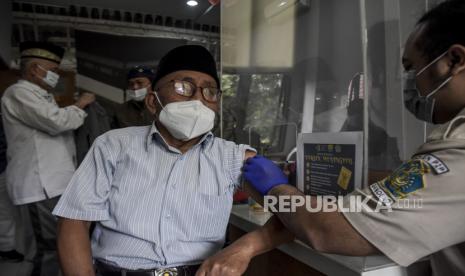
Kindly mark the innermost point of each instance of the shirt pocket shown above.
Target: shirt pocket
(211, 205)
(213, 183)
(210, 217)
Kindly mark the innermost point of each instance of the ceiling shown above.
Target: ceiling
(174, 8)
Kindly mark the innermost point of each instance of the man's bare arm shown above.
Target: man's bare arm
(326, 232)
(234, 259)
(74, 249)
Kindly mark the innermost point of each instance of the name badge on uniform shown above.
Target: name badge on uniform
(380, 194)
(435, 163)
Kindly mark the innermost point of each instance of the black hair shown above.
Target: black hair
(444, 26)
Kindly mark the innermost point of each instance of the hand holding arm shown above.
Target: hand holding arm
(263, 174)
(328, 232)
(84, 100)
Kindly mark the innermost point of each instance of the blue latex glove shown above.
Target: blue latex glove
(263, 174)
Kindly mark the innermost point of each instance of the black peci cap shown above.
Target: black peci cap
(187, 57)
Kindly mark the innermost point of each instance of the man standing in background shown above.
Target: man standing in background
(41, 150)
(133, 111)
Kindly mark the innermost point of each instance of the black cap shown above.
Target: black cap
(42, 50)
(187, 57)
(141, 71)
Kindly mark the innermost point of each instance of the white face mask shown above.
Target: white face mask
(186, 120)
(420, 106)
(136, 95)
(51, 79)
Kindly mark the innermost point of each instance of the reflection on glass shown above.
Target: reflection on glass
(264, 107)
(229, 84)
(254, 32)
(325, 66)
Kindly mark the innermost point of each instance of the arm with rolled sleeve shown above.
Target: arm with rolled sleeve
(234, 160)
(38, 113)
(405, 234)
(432, 220)
(84, 200)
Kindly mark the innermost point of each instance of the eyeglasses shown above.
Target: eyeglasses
(188, 89)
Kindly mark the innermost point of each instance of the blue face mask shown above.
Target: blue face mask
(420, 106)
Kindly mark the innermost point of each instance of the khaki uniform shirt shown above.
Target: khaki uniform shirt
(427, 198)
(41, 150)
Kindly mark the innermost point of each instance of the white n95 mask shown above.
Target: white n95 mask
(51, 79)
(137, 95)
(187, 119)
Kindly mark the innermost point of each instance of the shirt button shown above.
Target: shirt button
(168, 216)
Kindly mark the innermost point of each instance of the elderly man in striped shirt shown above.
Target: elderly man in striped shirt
(160, 195)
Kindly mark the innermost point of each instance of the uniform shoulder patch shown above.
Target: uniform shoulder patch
(408, 178)
(438, 166)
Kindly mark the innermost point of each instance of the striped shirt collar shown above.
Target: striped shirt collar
(154, 135)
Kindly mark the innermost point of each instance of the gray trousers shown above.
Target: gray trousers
(7, 218)
(44, 225)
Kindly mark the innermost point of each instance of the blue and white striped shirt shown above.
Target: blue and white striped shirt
(155, 206)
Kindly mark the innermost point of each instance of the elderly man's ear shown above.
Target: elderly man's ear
(34, 70)
(151, 103)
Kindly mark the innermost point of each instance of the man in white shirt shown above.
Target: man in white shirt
(41, 150)
(7, 211)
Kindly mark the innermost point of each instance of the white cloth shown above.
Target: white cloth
(41, 150)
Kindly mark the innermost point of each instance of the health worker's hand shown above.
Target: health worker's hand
(263, 174)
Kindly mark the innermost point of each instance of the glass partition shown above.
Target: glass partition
(311, 66)
(314, 66)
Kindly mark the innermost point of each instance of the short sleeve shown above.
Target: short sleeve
(86, 197)
(426, 198)
(234, 160)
